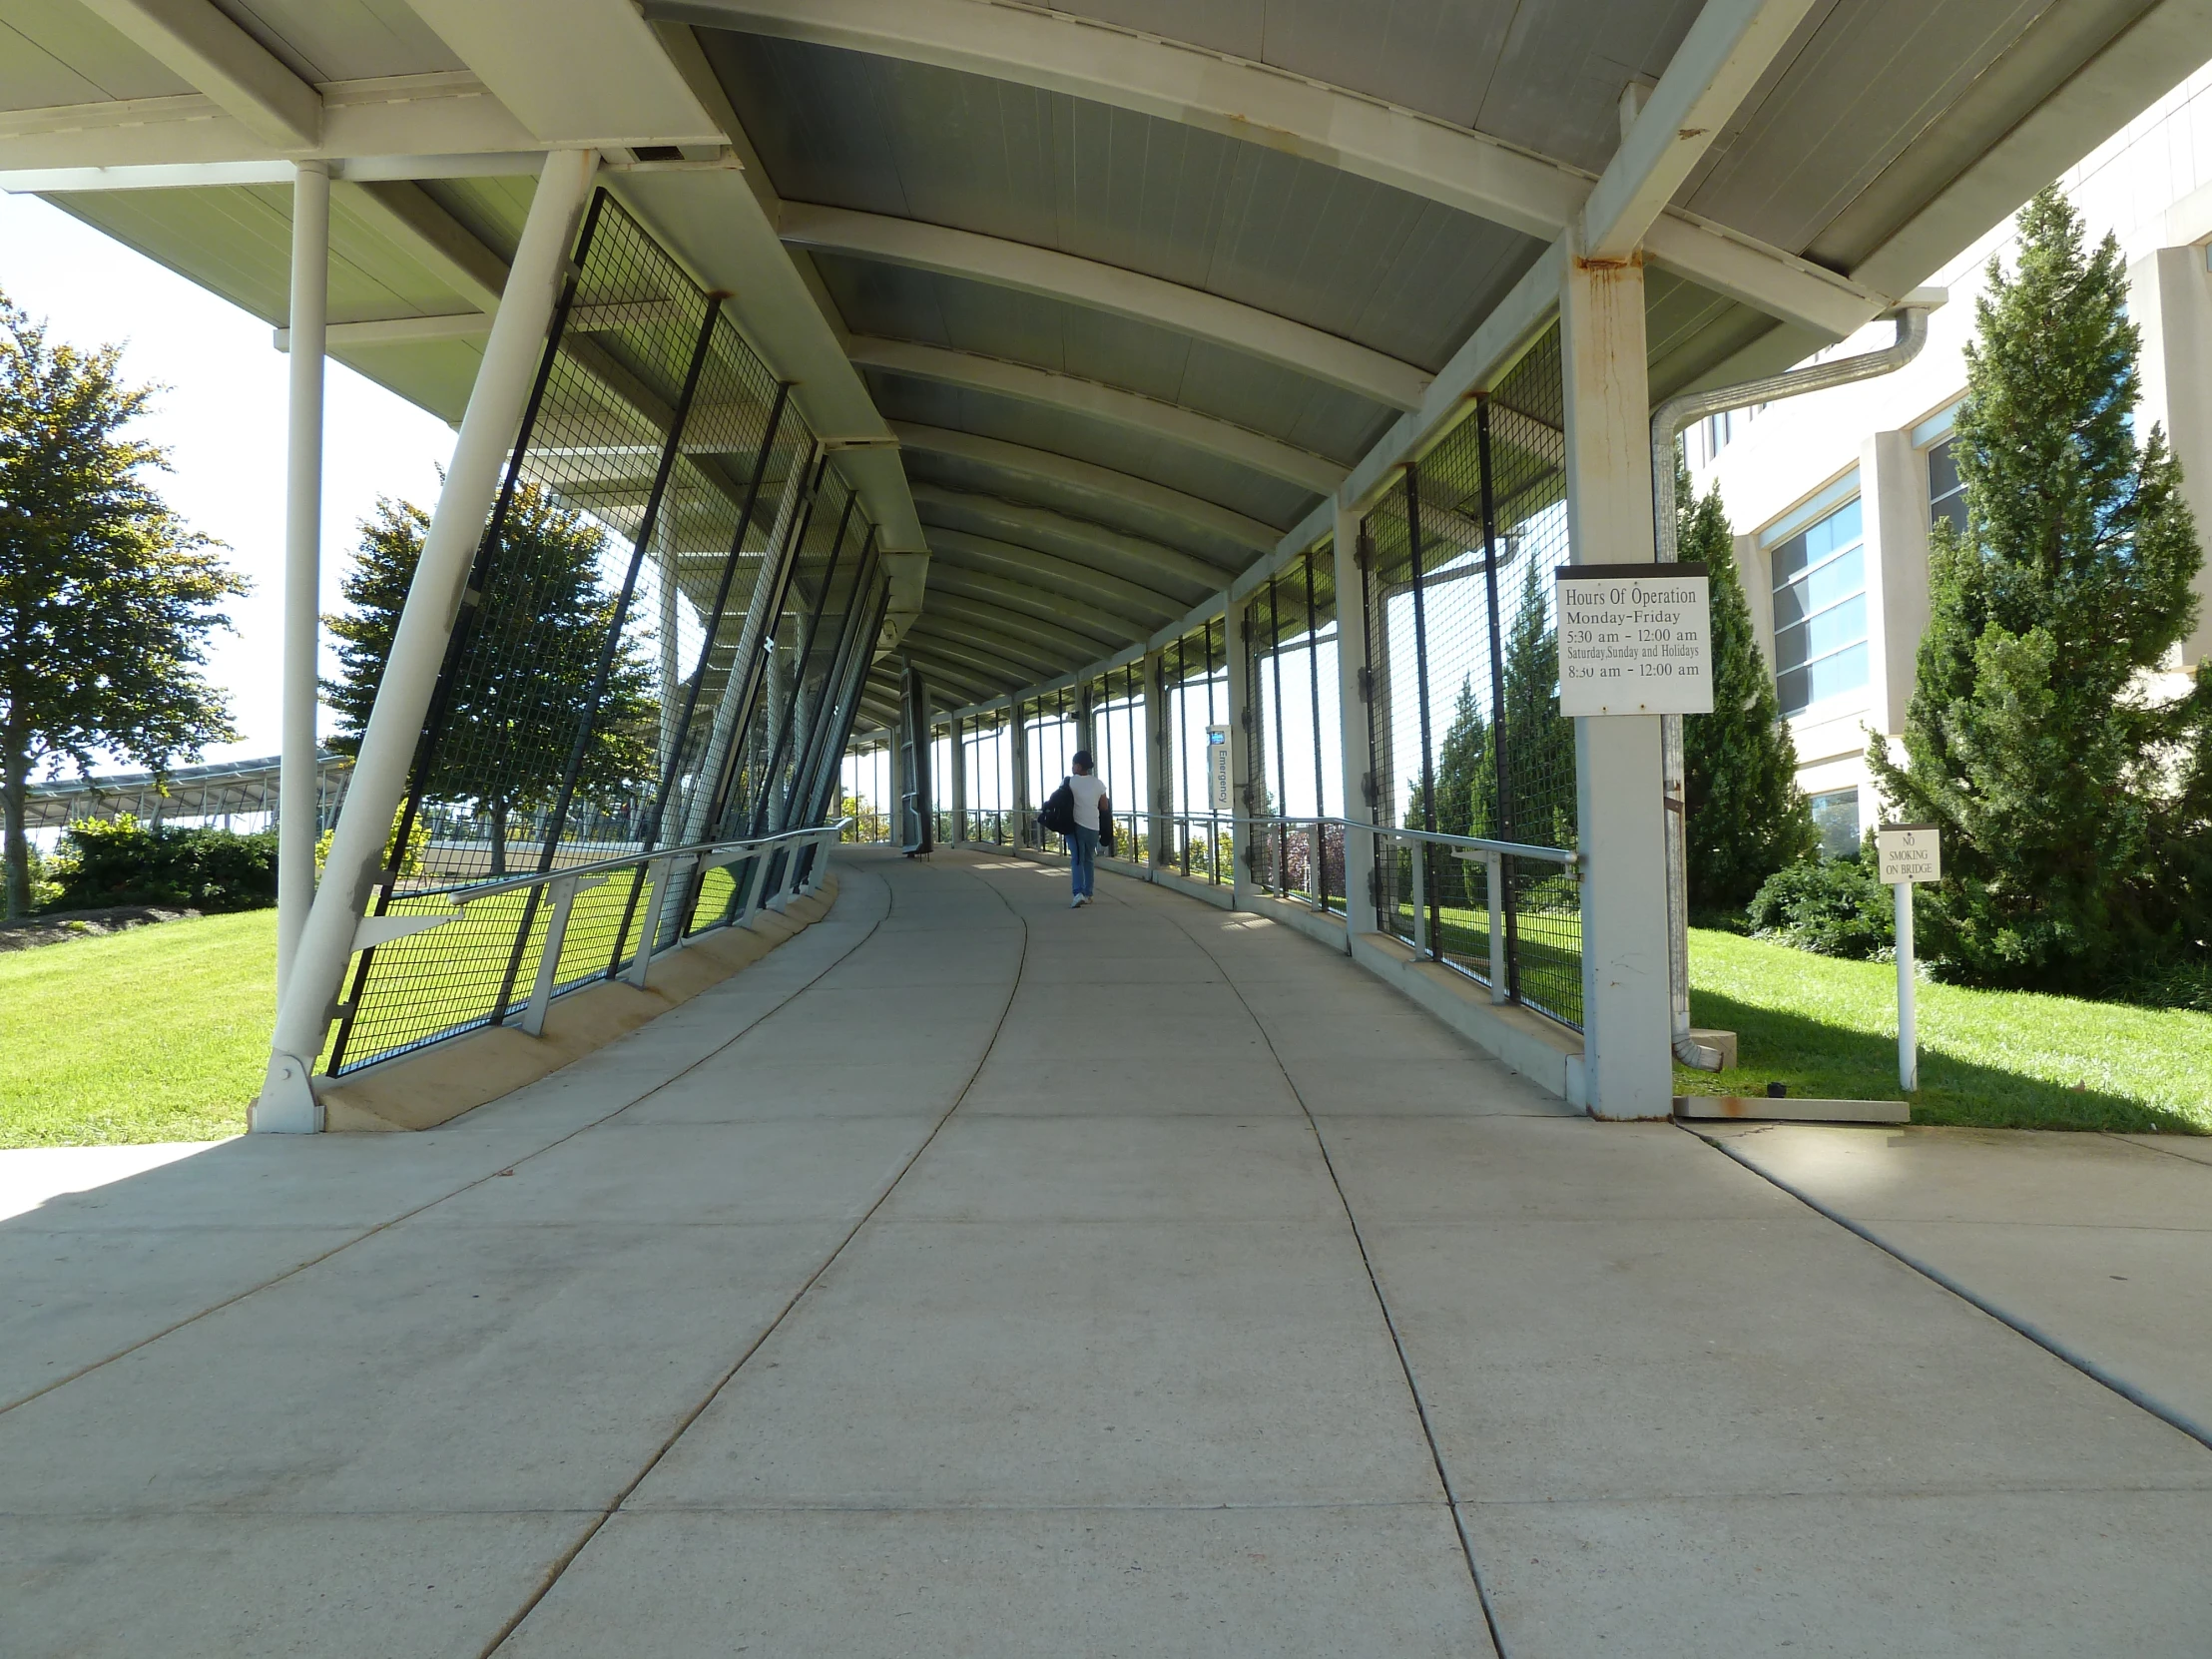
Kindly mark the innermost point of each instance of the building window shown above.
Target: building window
(1819, 611)
(1716, 433)
(1947, 491)
(1836, 820)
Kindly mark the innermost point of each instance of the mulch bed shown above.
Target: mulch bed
(63, 925)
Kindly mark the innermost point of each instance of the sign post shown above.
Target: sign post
(1634, 639)
(1907, 853)
(1217, 767)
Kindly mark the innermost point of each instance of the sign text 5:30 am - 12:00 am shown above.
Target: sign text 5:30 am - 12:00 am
(1634, 640)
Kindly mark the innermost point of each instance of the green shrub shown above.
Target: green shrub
(1830, 906)
(44, 889)
(123, 861)
(409, 862)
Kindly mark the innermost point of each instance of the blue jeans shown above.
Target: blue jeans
(1082, 850)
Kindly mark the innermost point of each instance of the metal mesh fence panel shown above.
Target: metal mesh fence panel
(1195, 679)
(1119, 737)
(986, 758)
(605, 621)
(864, 779)
(1291, 630)
(1050, 733)
(1463, 695)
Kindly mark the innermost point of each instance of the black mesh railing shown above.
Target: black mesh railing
(1120, 734)
(1049, 731)
(1463, 705)
(608, 664)
(1194, 694)
(1291, 629)
(987, 750)
(865, 780)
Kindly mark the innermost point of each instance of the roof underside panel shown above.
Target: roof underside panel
(1810, 142)
(1290, 236)
(903, 303)
(1544, 76)
(1122, 449)
(1130, 517)
(59, 52)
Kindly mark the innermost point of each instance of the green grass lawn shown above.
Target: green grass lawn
(157, 1034)
(161, 1033)
(1999, 1059)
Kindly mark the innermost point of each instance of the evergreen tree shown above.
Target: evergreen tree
(1540, 740)
(2069, 796)
(1458, 758)
(1746, 817)
(106, 597)
(523, 690)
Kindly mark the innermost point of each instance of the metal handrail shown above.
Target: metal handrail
(1478, 843)
(461, 896)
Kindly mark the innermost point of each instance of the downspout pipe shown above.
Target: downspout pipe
(1668, 422)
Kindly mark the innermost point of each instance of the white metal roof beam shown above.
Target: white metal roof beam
(1084, 478)
(1727, 50)
(414, 218)
(1110, 289)
(208, 50)
(1456, 166)
(1221, 438)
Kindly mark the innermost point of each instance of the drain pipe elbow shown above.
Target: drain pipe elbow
(1672, 417)
(1696, 1055)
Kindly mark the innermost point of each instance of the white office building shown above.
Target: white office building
(1832, 494)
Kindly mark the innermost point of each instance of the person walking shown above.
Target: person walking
(1088, 797)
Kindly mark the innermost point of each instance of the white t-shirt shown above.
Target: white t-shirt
(1088, 793)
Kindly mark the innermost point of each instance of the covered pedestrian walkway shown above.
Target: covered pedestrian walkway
(859, 405)
(975, 1275)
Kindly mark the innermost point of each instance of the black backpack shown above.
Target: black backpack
(1058, 812)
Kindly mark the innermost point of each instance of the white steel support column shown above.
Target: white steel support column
(1018, 734)
(1242, 799)
(1627, 1058)
(488, 432)
(1159, 753)
(1352, 712)
(956, 764)
(297, 819)
(2170, 299)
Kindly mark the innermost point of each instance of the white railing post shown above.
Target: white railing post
(564, 890)
(660, 874)
(1419, 851)
(488, 432)
(1494, 865)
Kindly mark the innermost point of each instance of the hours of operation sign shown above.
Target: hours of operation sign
(1636, 640)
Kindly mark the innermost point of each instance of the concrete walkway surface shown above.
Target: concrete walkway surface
(977, 1277)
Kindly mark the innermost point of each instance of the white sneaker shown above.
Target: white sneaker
(1076, 904)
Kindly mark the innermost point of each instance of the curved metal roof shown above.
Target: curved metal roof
(1105, 296)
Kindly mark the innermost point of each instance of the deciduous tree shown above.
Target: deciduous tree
(105, 597)
(522, 692)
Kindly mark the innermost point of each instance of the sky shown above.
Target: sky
(222, 417)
